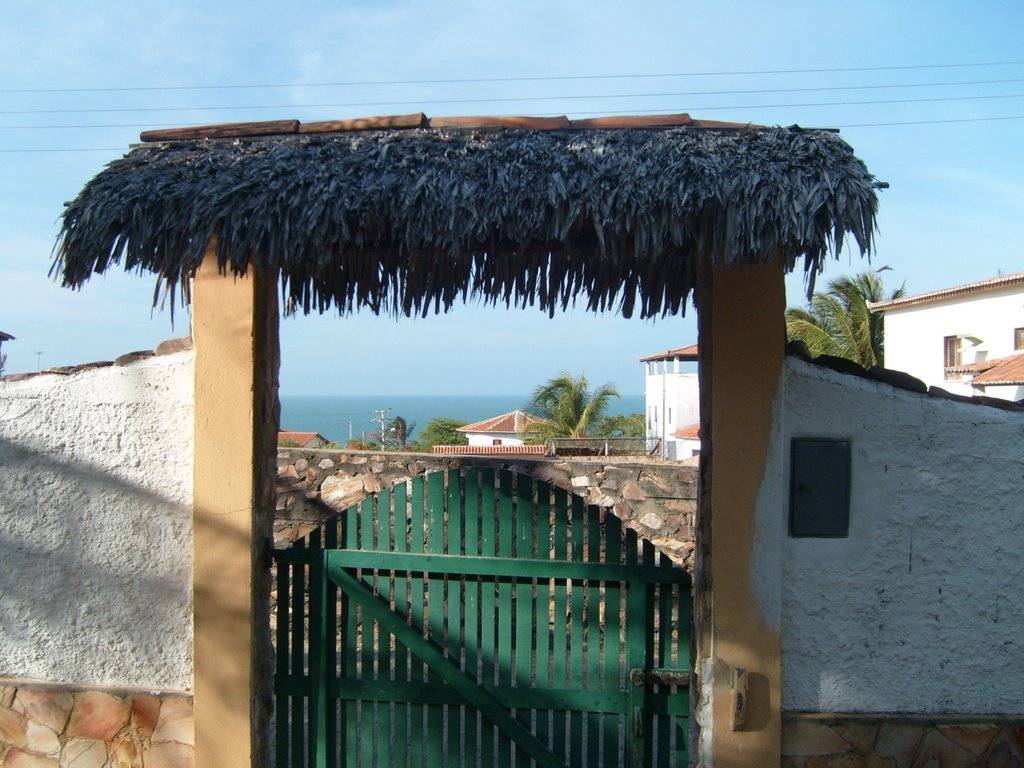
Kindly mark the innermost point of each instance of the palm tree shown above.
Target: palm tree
(570, 406)
(839, 323)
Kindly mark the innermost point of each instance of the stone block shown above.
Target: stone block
(652, 520)
(97, 715)
(301, 465)
(41, 739)
(936, 749)
(49, 708)
(13, 728)
(84, 753)
(631, 491)
(898, 742)
(125, 752)
(974, 738)
(845, 760)
(1004, 752)
(580, 481)
(170, 754)
(325, 464)
(371, 482)
(860, 736)
(18, 759)
(287, 473)
(7, 695)
(175, 722)
(145, 712)
(802, 737)
(339, 492)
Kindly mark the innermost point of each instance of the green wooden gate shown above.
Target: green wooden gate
(469, 619)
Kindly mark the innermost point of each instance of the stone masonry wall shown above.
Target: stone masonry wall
(655, 498)
(892, 741)
(59, 726)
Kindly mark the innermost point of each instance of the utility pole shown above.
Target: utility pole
(39, 356)
(381, 418)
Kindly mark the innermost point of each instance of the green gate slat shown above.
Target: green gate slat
(435, 610)
(417, 534)
(367, 731)
(433, 655)
(400, 539)
(595, 721)
(331, 645)
(523, 619)
(506, 543)
(282, 709)
(471, 643)
(636, 644)
(488, 617)
(612, 642)
(453, 609)
(559, 628)
(298, 619)
(576, 632)
(543, 621)
(383, 661)
(350, 649)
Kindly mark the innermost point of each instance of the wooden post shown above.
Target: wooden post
(234, 327)
(742, 350)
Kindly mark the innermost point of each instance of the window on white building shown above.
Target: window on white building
(951, 355)
(1018, 338)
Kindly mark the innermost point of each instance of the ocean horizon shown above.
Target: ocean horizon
(337, 417)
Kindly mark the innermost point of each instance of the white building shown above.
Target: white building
(672, 399)
(968, 340)
(513, 428)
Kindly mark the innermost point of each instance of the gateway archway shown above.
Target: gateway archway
(408, 215)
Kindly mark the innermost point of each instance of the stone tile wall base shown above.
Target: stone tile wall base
(56, 726)
(901, 742)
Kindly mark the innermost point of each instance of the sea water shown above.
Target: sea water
(353, 416)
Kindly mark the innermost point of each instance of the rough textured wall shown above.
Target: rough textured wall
(919, 609)
(95, 525)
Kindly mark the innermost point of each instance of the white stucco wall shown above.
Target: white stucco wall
(920, 608)
(914, 336)
(96, 525)
(488, 438)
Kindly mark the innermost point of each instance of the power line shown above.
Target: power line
(692, 108)
(508, 99)
(543, 78)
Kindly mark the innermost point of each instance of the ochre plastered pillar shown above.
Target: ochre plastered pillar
(742, 350)
(234, 327)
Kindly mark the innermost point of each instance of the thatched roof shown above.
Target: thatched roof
(410, 221)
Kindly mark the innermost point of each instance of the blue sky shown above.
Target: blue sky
(952, 214)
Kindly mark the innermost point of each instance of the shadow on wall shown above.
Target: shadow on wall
(96, 580)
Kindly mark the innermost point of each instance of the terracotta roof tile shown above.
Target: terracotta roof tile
(1002, 371)
(514, 422)
(686, 354)
(302, 438)
(979, 286)
(691, 432)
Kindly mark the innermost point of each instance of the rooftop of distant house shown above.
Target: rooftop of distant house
(957, 291)
(514, 422)
(683, 354)
(303, 439)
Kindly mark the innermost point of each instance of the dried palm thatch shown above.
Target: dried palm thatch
(409, 222)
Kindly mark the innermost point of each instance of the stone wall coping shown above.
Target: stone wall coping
(909, 718)
(624, 461)
(113, 690)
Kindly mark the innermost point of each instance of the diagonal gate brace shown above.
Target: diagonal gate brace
(444, 668)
